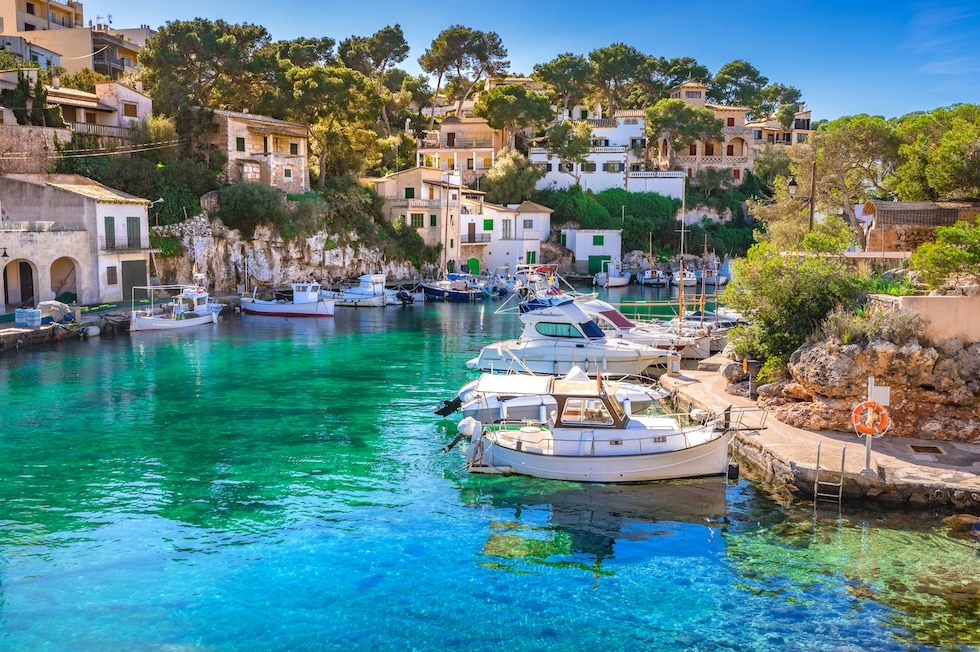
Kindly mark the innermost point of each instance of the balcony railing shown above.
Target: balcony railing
(476, 238)
(415, 203)
(737, 131)
(613, 149)
(102, 130)
(471, 210)
(123, 243)
(39, 227)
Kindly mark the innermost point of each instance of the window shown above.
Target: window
(600, 142)
(451, 243)
(709, 150)
(598, 240)
(418, 220)
(30, 9)
(731, 150)
(110, 232)
(265, 144)
(111, 276)
(287, 173)
(470, 164)
(613, 166)
(433, 220)
(528, 224)
(129, 110)
(409, 193)
(28, 27)
(545, 166)
(692, 150)
(584, 115)
(730, 122)
(736, 174)
(693, 95)
(488, 225)
(566, 167)
(505, 229)
(586, 410)
(557, 330)
(636, 167)
(133, 232)
(588, 167)
(757, 134)
(801, 138)
(239, 144)
(638, 143)
(294, 149)
(531, 257)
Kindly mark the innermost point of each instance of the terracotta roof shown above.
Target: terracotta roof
(601, 122)
(252, 117)
(630, 113)
(100, 193)
(723, 107)
(531, 207)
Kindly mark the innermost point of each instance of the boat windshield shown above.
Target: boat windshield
(592, 330)
(617, 318)
(586, 410)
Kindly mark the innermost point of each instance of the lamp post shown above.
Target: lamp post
(792, 187)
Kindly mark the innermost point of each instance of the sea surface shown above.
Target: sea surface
(278, 484)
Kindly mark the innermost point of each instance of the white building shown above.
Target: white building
(617, 159)
(63, 234)
(592, 246)
(503, 235)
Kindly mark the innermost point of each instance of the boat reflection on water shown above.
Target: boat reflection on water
(580, 526)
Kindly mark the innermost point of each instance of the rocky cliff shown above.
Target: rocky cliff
(935, 391)
(226, 258)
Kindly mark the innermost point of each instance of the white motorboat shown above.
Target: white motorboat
(304, 302)
(591, 437)
(691, 345)
(370, 292)
(612, 275)
(558, 337)
(652, 277)
(183, 306)
(526, 396)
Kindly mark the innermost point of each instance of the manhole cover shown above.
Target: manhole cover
(932, 450)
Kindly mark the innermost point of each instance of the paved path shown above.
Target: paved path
(916, 471)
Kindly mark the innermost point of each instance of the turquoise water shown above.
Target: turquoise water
(272, 484)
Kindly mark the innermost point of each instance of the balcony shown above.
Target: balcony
(108, 131)
(415, 203)
(471, 210)
(123, 243)
(613, 149)
(475, 238)
(737, 131)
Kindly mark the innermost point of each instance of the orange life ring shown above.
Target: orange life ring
(869, 418)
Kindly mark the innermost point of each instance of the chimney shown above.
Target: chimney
(139, 85)
(55, 81)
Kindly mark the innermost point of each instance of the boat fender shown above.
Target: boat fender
(733, 471)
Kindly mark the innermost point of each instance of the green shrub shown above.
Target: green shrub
(856, 326)
(773, 370)
(245, 206)
(170, 247)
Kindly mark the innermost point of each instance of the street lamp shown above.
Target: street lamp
(792, 186)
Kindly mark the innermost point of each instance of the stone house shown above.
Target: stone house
(263, 150)
(66, 236)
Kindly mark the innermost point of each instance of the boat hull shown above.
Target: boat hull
(436, 293)
(709, 458)
(323, 308)
(547, 357)
(160, 323)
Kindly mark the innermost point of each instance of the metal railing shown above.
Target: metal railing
(39, 226)
(123, 243)
(477, 238)
(102, 130)
(611, 149)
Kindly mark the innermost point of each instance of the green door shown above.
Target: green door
(133, 274)
(564, 239)
(595, 263)
(531, 257)
(474, 265)
(110, 232)
(132, 232)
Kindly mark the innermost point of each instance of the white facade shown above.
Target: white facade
(592, 246)
(503, 235)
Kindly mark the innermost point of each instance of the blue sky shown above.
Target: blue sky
(886, 58)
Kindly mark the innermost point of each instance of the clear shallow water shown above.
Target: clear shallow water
(271, 484)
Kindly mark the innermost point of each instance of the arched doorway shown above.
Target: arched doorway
(64, 280)
(19, 283)
(736, 147)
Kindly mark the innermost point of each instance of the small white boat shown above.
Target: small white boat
(305, 302)
(526, 396)
(370, 292)
(612, 275)
(557, 338)
(687, 277)
(591, 437)
(652, 277)
(185, 305)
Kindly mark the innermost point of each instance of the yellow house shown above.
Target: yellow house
(38, 15)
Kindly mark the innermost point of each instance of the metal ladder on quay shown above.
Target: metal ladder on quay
(825, 489)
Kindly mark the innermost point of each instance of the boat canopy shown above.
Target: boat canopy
(514, 384)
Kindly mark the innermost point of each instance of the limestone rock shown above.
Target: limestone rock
(732, 372)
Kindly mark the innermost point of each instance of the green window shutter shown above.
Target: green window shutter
(598, 240)
(531, 257)
(409, 193)
(240, 144)
(133, 232)
(418, 220)
(294, 149)
(488, 225)
(110, 232)
(432, 220)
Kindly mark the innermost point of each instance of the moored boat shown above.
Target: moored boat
(305, 301)
(590, 437)
(183, 306)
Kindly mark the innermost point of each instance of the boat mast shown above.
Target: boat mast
(704, 278)
(680, 317)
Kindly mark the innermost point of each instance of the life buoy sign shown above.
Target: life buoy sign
(870, 418)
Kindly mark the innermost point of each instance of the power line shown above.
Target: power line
(87, 153)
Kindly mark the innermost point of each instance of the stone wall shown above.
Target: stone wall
(36, 144)
(947, 316)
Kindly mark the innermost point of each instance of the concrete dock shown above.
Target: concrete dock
(917, 472)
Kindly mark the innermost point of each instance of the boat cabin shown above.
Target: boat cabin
(306, 292)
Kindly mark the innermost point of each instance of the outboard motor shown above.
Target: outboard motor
(445, 408)
(405, 297)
